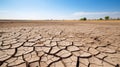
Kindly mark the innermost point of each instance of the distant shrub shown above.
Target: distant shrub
(107, 17)
(100, 18)
(118, 18)
(83, 18)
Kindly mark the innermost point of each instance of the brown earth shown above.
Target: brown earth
(59, 43)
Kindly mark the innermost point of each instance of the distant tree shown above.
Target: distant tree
(83, 18)
(107, 17)
(100, 18)
(118, 18)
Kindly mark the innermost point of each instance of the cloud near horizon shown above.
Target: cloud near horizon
(35, 15)
(95, 15)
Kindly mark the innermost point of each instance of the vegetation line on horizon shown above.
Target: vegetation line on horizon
(105, 18)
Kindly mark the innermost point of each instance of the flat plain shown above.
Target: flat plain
(59, 43)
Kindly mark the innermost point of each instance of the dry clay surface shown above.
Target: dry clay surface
(60, 45)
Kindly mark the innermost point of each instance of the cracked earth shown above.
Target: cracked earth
(60, 45)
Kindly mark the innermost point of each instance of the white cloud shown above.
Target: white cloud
(96, 15)
(20, 15)
(51, 15)
(33, 15)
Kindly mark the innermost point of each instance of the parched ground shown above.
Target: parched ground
(59, 44)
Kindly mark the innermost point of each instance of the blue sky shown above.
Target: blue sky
(58, 9)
